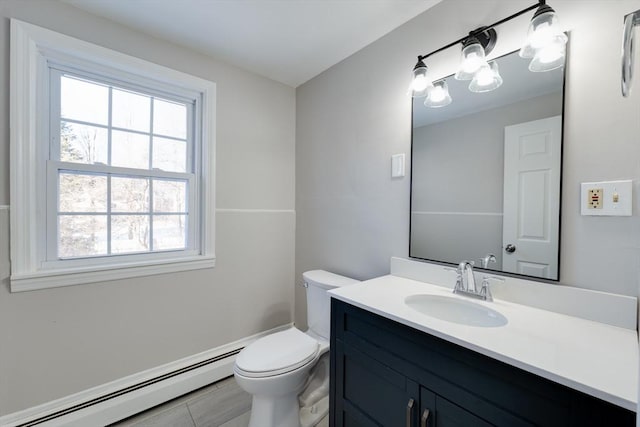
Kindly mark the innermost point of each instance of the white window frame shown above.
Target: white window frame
(33, 51)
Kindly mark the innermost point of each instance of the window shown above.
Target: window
(122, 166)
(114, 177)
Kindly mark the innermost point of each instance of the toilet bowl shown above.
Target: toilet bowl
(277, 368)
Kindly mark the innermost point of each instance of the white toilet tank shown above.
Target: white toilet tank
(318, 282)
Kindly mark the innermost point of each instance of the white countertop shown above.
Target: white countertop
(594, 358)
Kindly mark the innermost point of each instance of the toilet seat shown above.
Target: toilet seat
(277, 354)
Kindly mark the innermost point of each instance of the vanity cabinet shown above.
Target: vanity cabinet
(387, 374)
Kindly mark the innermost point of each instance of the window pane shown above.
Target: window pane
(82, 193)
(169, 119)
(129, 233)
(82, 235)
(169, 154)
(83, 144)
(129, 194)
(169, 196)
(84, 101)
(169, 232)
(129, 150)
(131, 111)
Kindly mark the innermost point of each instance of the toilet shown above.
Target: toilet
(287, 372)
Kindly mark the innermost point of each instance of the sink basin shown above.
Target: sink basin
(456, 310)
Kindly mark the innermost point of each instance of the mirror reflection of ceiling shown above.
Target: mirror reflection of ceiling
(513, 70)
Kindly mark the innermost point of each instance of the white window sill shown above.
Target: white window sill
(77, 276)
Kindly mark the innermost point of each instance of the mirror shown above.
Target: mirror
(486, 172)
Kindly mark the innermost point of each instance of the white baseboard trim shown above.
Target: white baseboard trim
(125, 397)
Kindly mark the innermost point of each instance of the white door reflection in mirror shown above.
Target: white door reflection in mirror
(532, 159)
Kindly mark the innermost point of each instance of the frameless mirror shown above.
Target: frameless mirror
(486, 172)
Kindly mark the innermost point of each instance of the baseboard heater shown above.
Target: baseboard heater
(110, 402)
(129, 389)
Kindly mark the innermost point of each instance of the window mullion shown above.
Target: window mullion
(197, 199)
(193, 215)
(151, 133)
(151, 180)
(109, 156)
(191, 146)
(109, 123)
(151, 214)
(109, 214)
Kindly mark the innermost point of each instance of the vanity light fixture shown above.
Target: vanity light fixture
(420, 84)
(438, 95)
(474, 49)
(487, 78)
(546, 45)
(546, 42)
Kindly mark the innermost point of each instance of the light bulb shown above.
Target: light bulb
(543, 31)
(438, 95)
(541, 36)
(419, 84)
(486, 79)
(484, 76)
(550, 53)
(473, 57)
(549, 57)
(472, 63)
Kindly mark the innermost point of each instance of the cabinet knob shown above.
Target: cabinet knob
(424, 418)
(410, 406)
(510, 248)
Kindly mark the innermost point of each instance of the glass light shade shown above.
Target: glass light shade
(486, 79)
(420, 84)
(543, 31)
(438, 95)
(549, 57)
(472, 59)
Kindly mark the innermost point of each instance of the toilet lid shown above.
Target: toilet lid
(277, 353)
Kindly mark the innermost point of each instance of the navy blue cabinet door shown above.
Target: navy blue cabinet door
(372, 394)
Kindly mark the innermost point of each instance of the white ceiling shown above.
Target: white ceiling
(290, 41)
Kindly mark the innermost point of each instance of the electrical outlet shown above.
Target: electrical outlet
(606, 198)
(594, 201)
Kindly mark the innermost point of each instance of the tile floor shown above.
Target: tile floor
(222, 404)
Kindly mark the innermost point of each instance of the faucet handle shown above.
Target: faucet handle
(485, 289)
(458, 285)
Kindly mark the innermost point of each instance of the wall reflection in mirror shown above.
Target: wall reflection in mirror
(486, 171)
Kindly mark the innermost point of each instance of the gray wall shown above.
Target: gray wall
(60, 341)
(351, 216)
(458, 167)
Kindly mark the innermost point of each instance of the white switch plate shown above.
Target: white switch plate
(397, 165)
(622, 191)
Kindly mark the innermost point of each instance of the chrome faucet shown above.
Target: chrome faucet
(466, 283)
(488, 259)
